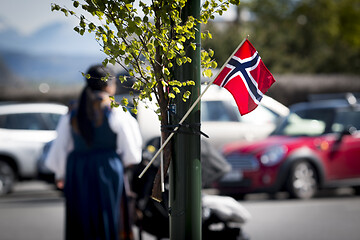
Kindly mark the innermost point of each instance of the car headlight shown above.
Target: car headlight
(273, 155)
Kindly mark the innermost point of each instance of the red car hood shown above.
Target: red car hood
(258, 146)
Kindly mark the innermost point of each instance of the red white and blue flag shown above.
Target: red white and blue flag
(245, 77)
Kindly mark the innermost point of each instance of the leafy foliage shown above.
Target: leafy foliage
(147, 38)
(301, 36)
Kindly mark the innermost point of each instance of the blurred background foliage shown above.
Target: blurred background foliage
(294, 36)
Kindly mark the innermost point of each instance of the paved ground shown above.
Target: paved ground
(35, 211)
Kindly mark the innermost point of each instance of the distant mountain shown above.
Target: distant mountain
(7, 77)
(55, 55)
(50, 68)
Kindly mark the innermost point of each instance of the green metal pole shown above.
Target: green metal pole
(185, 167)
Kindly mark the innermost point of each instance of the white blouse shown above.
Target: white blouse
(129, 141)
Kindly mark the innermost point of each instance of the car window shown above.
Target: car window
(346, 118)
(308, 122)
(217, 111)
(51, 120)
(22, 121)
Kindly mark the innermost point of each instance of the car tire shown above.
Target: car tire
(302, 182)
(7, 178)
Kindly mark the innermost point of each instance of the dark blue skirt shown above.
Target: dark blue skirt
(93, 188)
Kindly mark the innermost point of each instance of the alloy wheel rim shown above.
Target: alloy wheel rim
(304, 181)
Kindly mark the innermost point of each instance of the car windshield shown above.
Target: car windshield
(308, 122)
(226, 111)
(315, 122)
(218, 111)
(346, 118)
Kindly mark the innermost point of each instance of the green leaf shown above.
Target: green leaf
(166, 71)
(65, 12)
(105, 62)
(207, 73)
(124, 101)
(122, 79)
(186, 94)
(114, 104)
(112, 61)
(76, 29)
(214, 64)
(179, 61)
(129, 6)
(206, 5)
(104, 38)
(92, 26)
(55, 7)
(176, 90)
(82, 23)
(134, 111)
(211, 52)
(76, 4)
(190, 83)
(235, 2)
(123, 46)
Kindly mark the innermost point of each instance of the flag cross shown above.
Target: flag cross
(242, 68)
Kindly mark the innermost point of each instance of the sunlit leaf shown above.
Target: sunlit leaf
(76, 4)
(207, 73)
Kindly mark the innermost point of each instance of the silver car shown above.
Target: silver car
(24, 129)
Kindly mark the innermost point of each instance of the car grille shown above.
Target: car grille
(243, 161)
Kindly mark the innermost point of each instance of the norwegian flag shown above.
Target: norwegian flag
(245, 77)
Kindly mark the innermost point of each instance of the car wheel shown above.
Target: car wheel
(302, 182)
(7, 178)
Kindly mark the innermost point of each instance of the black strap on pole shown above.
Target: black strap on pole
(184, 128)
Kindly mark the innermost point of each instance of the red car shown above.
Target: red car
(316, 146)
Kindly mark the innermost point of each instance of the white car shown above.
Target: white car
(24, 129)
(220, 118)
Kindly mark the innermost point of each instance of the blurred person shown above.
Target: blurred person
(95, 144)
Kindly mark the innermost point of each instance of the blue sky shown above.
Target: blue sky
(27, 16)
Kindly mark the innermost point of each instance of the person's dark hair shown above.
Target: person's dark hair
(85, 112)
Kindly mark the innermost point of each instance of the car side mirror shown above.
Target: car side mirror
(349, 130)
